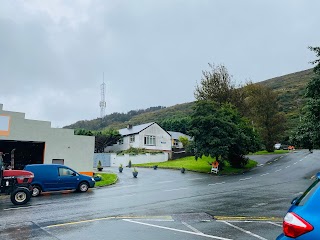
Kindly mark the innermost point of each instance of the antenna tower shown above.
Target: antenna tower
(103, 100)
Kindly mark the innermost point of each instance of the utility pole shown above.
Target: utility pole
(103, 100)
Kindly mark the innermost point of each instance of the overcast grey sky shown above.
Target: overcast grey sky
(53, 53)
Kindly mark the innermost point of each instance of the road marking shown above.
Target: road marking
(264, 174)
(260, 165)
(275, 224)
(176, 189)
(301, 160)
(177, 230)
(245, 231)
(165, 181)
(278, 170)
(78, 222)
(295, 163)
(127, 186)
(241, 218)
(192, 228)
(148, 218)
(244, 179)
(287, 166)
(127, 195)
(196, 179)
(16, 208)
(212, 184)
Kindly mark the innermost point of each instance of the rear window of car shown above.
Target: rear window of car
(308, 193)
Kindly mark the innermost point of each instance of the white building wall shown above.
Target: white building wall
(77, 151)
(163, 139)
(116, 160)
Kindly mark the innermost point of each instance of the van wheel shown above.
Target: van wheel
(20, 196)
(83, 187)
(36, 191)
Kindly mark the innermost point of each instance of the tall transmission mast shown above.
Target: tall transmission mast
(103, 100)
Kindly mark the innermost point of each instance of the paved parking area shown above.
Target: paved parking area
(187, 226)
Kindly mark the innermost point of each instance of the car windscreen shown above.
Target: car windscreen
(308, 193)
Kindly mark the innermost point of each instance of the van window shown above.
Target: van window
(65, 172)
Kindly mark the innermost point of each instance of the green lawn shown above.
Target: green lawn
(107, 179)
(264, 152)
(200, 165)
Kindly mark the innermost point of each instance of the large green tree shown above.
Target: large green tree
(307, 133)
(220, 132)
(102, 138)
(216, 85)
(263, 111)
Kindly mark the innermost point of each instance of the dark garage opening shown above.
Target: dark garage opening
(23, 153)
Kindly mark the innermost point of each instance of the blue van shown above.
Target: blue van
(56, 177)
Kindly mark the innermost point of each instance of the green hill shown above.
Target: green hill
(290, 89)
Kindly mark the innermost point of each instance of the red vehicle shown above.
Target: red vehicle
(17, 184)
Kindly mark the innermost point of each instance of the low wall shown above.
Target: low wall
(116, 160)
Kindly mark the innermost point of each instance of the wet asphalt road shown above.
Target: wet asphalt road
(165, 204)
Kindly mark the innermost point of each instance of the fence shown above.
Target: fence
(112, 159)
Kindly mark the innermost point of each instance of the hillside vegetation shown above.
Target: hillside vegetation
(290, 89)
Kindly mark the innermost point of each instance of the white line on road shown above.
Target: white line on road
(176, 189)
(192, 228)
(287, 166)
(195, 179)
(260, 165)
(264, 174)
(295, 163)
(16, 208)
(245, 231)
(243, 179)
(177, 230)
(301, 160)
(128, 195)
(275, 224)
(212, 184)
(165, 181)
(278, 170)
(126, 186)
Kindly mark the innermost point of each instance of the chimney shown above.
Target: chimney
(129, 126)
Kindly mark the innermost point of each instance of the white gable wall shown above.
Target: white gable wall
(163, 139)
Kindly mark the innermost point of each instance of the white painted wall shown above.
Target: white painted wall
(77, 151)
(163, 140)
(116, 160)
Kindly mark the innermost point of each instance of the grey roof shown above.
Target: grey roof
(134, 129)
(176, 135)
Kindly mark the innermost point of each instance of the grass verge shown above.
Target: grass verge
(265, 152)
(106, 179)
(201, 165)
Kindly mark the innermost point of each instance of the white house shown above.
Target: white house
(149, 136)
(175, 139)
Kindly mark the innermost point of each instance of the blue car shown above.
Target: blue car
(302, 220)
(57, 177)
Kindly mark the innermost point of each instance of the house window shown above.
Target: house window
(175, 143)
(150, 140)
(120, 141)
(132, 138)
